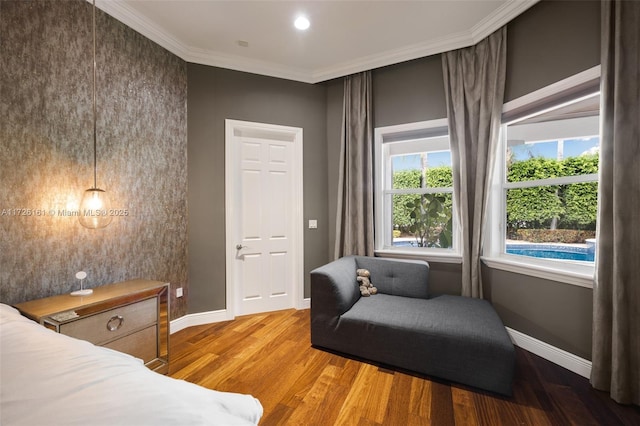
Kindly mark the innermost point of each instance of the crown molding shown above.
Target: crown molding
(501, 16)
(484, 28)
(127, 15)
(407, 53)
(239, 63)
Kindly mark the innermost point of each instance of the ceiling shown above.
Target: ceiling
(345, 36)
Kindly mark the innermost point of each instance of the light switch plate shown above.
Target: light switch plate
(313, 224)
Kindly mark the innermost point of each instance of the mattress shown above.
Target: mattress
(48, 378)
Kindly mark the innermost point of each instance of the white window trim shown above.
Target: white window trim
(568, 272)
(407, 132)
(418, 254)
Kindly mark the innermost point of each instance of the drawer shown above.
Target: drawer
(142, 344)
(106, 326)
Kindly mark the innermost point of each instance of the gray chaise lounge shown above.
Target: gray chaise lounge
(451, 337)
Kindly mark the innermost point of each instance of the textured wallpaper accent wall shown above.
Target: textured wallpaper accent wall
(46, 152)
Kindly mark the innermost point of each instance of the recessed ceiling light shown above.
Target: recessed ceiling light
(302, 23)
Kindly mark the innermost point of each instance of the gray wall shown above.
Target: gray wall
(550, 41)
(46, 152)
(409, 92)
(216, 94)
(46, 132)
(557, 313)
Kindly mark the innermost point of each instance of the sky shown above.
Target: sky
(410, 162)
(572, 148)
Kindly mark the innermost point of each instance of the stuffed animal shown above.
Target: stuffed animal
(366, 287)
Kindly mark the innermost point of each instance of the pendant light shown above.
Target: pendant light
(94, 207)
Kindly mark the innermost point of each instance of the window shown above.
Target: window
(544, 201)
(551, 183)
(414, 190)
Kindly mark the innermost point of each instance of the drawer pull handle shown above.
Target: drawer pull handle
(115, 322)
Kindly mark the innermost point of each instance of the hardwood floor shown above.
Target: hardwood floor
(270, 356)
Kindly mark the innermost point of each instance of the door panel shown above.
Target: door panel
(279, 274)
(264, 269)
(251, 223)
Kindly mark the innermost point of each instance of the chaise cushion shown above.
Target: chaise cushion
(453, 337)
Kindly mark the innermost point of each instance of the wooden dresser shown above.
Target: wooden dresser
(130, 316)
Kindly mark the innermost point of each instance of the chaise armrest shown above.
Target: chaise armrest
(334, 288)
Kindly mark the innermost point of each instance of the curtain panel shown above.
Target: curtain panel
(354, 222)
(616, 293)
(474, 79)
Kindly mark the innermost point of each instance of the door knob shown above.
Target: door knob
(239, 247)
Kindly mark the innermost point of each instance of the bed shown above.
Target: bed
(49, 378)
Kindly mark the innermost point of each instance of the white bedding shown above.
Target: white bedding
(47, 378)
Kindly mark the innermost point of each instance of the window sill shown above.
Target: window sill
(435, 257)
(568, 273)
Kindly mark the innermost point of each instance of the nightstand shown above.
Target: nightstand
(129, 316)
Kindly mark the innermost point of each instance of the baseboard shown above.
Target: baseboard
(305, 304)
(211, 317)
(199, 318)
(558, 356)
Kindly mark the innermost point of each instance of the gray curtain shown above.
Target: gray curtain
(354, 223)
(616, 294)
(474, 79)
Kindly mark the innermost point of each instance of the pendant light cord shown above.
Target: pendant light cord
(95, 137)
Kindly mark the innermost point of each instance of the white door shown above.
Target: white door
(264, 186)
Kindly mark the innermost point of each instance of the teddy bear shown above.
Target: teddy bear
(366, 287)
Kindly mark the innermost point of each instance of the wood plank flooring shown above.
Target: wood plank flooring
(270, 356)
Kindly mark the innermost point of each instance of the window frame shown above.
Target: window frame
(409, 133)
(580, 274)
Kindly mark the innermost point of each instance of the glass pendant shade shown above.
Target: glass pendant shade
(94, 209)
(94, 206)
